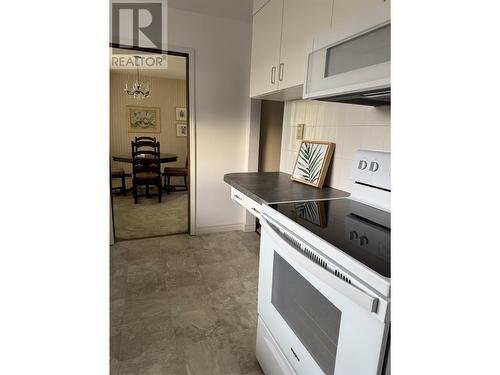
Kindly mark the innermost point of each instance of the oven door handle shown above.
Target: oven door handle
(366, 301)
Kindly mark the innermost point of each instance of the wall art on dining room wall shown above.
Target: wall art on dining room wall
(181, 114)
(182, 130)
(143, 119)
(313, 160)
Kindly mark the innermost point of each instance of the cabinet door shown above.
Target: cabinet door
(302, 20)
(353, 16)
(266, 39)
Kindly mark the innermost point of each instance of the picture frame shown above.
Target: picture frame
(312, 162)
(181, 114)
(143, 119)
(182, 130)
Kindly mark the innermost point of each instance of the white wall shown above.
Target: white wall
(350, 127)
(222, 107)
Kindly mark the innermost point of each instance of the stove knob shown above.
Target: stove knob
(353, 235)
(363, 240)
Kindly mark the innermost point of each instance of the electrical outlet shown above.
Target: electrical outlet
(300, 132)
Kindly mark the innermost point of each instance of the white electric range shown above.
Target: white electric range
(324, 279)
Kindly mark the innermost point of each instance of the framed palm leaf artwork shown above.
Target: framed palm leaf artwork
(312, 162)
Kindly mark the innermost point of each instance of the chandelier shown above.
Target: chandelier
(138, 89)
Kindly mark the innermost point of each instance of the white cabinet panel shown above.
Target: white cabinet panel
(301, 21)
(353, 16)
(248, 203)
(266, 41)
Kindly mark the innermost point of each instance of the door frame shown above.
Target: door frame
(188, 53)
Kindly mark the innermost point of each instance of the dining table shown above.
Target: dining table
(127, 158)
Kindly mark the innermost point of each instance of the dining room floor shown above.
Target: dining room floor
(185, 305)
(148, 218)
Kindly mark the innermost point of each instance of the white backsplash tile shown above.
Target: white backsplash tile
(310, 133)
(291, 137)
(293, 158)
(340, 178)
(350, 115)
(290, 157)
(329, 133)
(296, 144)
(350, 127)
(327, 115)
(285, 137)
(373, 137)
(300, 112)
(311, 113)
(387, 139)
(379, 116)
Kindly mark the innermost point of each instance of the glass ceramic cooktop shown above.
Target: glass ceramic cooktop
(359, 230)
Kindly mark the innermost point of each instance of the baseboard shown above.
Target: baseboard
(219, 228)
(249, 228)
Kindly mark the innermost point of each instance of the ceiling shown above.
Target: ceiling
(237, 9)
(176, 67)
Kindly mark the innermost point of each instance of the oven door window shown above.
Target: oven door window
(310, 315)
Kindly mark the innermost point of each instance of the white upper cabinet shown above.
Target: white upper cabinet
(353, 16)
(301, 21)
(283, 31)
(266, 41)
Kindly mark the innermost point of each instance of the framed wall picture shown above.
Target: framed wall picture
(181, 114)
(313, 160)
(182, 130)
(143, 119)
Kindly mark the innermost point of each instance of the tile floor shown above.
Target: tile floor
(183, 305)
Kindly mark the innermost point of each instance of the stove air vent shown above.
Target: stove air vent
(315, 258)
(310, 254)
(340, 275)
(302, 248)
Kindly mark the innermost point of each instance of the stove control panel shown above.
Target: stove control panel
(372, 168)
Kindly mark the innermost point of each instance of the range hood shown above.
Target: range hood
(374, 98)
(354, 70)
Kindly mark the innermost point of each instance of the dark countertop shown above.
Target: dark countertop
(273, 187)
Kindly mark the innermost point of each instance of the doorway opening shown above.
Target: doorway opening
(159, 117)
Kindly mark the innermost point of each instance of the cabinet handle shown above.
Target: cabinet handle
(273, 75)
(281, 71)
(256, 211)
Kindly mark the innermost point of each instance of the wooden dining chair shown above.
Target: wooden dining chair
(119, 173)
(151, 139)
(146, 167)
(169, 172)
(145, 145)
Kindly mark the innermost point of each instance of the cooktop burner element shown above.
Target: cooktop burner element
(359, 230)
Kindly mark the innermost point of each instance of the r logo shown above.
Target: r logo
(138, 22)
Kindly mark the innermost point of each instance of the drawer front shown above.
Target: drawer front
(249, 204)
(272, 361)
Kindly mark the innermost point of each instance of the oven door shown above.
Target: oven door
(321, 323)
